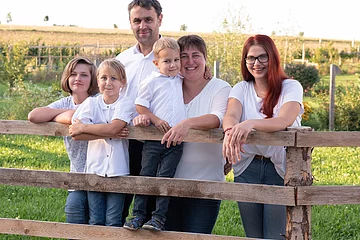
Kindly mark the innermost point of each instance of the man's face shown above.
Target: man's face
(145, 25)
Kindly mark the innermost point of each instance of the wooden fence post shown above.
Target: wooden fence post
(298, 173)
(216, 69)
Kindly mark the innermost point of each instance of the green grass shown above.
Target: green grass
(330, 166)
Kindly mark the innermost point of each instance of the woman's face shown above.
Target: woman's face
(80, 79)
(257, 62)
(192, 64)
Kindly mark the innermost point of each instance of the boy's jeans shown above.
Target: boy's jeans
(157, 161)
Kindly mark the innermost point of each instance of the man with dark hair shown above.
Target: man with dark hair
(145, 18)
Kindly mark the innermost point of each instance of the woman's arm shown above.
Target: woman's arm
(204, 122)
(231, 150)
(177, 133)
(44, 114)
(64, 117)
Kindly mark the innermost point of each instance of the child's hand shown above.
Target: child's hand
(162, 125)
(76, 128)
(141, 120)
(123, 133)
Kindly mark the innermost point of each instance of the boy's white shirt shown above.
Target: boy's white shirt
(163, 96)
(106, 157)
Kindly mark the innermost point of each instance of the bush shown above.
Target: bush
(347, 108)
(27, 96)
(306, 75)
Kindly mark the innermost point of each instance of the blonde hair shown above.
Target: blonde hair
(116, 65)
(165, 42)
(93, 88)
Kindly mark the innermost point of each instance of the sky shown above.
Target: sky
(315, 18)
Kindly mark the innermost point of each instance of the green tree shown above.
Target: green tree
(227, 43)
(9, 18)
(13, 63)
(183, 27)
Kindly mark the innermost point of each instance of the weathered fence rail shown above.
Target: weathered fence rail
(297, 194)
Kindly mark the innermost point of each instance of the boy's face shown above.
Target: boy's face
(168, 62)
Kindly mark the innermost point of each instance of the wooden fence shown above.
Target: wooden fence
(297, 194)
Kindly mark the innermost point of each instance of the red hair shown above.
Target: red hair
(275, 75)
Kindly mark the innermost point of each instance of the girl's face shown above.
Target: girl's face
(192, 64)
(257, 62)
(80, 79)
(110, 82)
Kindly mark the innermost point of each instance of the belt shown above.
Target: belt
(261, 157)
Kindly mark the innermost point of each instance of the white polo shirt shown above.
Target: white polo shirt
(137, 68)
(163, 96)
(106, 157)
(251, 105)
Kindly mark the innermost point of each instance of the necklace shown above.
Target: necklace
(199, 88)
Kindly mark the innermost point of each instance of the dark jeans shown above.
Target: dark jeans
(135, 154)
(192, 215)
(262, 220)
(77, 208)
(157, 161)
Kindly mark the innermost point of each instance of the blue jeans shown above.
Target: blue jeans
(106, 208)
(157, 161)
(135, 155)
(262, 220)
(192, 215)
(76, 207)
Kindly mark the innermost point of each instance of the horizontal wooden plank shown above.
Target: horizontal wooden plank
(281, 138)
(150, 186)
(328, 195)
(80, 231)
(328, 139)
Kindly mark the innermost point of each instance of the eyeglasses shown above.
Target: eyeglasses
(263, 58)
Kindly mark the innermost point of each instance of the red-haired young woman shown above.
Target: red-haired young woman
(265, 101)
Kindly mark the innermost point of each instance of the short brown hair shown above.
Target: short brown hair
(93, 88)
(193, 41)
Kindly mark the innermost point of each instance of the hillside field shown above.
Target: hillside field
(52, 35)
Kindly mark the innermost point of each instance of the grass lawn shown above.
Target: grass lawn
(331, 166)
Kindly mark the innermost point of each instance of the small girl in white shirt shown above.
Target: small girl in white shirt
(99, 119)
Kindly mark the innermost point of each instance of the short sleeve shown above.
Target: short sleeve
(125, 110)
(239, 91)
(85, 111)
(220, 100)
(293, 92)
(145, 93)
(65, 102)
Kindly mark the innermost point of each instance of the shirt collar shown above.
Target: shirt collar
(103, 105)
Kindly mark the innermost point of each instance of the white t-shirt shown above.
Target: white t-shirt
(204, 161)
(137, 68)
(76, 150)
(243, 91)
(163, 96)
(106, 157)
